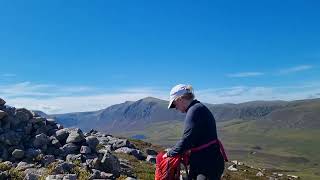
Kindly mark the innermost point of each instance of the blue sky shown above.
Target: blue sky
(60, 56)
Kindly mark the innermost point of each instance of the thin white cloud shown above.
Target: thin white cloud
(65, 104)
(141, 90)
(235, 91)
(28, 89)
(8, 75)
(245, 93)
(54, 99)
(296, 69)
(245, 74)
(61, 99)
(282, 71)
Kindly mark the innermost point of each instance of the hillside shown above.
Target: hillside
(34, 147)
(139, 114)
(133, 115)
(273, 134)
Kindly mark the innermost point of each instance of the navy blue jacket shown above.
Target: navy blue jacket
(200, 128)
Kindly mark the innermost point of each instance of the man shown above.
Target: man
(200, 136)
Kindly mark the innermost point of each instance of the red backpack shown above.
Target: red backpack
(169, 168)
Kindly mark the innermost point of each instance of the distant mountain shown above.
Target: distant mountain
(122, 116)
(139, 114)
(302, 114)
(249, 110)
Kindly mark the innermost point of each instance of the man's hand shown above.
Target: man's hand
(165, 155)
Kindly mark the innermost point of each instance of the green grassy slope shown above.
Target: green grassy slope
(291, 149)
(296, 150)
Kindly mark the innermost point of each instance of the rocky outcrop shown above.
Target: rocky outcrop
(35, 147)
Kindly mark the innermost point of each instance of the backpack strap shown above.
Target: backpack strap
(195, 149)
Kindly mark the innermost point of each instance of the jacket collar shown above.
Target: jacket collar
(192, 103)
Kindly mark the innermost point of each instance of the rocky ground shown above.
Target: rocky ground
(35, 148)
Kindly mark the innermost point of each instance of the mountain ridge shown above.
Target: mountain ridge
(138, 114)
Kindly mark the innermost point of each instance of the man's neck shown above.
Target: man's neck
(188, 102)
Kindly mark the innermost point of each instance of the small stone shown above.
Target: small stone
(293, 176)
(2, 114)
(92, 142)
(235, 162)
(151, 152)
(125, 150)
(85, 150)
(59, 126)
(151, 159)
(259, 174)
(23, 114)
(18, 153)
(105, 175)
(62, 135)
(119, 143)
(96, 174)
(55, 142)
(130, 178)
(47, 160)
(62, 177)
(37, 120)
(23, 166)
(73, 157)
(63, 167)
(51, 122)
(70, 149)
(4, 175)
(75, 136)
(232, 168)
(2, 102)
(32, 153)
(41, 140)
(110, 163)
(31, 176)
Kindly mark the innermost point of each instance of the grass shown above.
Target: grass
(4, 167)
(293, 149)
(281, 148)
(142, 145)
(99, 147)
(142, 169)
(13, 173)
(163, 133)
(82, 173)
(49, 171)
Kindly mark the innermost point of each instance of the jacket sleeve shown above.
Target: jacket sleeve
(188, 134)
